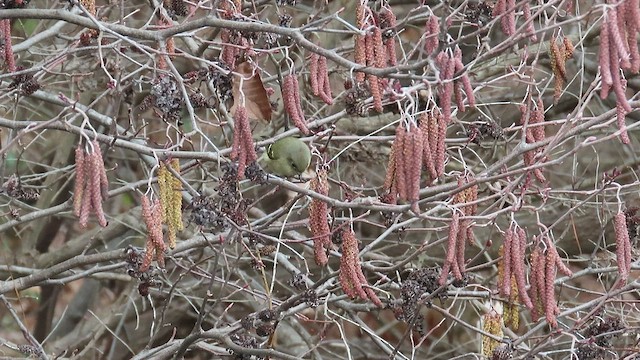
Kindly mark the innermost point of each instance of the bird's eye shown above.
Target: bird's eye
(293, 165)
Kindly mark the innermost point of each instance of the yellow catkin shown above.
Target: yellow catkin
(177, 197)
(492, 324)
(511, 313)
(171, 199)
(165, 189)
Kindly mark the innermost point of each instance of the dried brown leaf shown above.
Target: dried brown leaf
(248, 88)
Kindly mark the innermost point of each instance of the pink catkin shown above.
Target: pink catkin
(623, 245)
(537, 117)
(432, 31)
(323, 76)
(618, 83)
(147, 215)
(632, 20)
(360, 40)
(104, 182)
(246, 137)
(517, 262)
(530, 28)
(374, 86)
(537, 281)
(350, 263)
(605, 61)
(549, 293)
(499, 8)
(291, 97)
(318, 212)
(632, 12)
(622, 126)
(390, 42)
(313, 73)
(454, 227)
(620, 45)
(508, 21)
(427, 156)
(369, 49)
(409, 164)
(390, 50)
(416, 170)
(238, 149)
(441, 149)
(461, 243)
(295, 88)
(85, 208)
(446, 66)
(507, 246)
(457, 92)
(80, 180)
(96, 165)
(8, 47)
(464, 80)
(401, 161)
(380, 52)
(369, 293)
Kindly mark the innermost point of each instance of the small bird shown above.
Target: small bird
(286, 157)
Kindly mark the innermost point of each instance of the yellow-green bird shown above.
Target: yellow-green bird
(286, 157)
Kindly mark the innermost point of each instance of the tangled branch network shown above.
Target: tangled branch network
(473, 189)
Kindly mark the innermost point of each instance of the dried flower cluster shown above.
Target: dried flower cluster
(146, 279)
(25, 83)
(91, 185)
(152, 215)
(623, 245)
(352, 280)
(544, 267)
(511, 268)
(448, 66)
(460, 231)
(319, 218)
(13, 187)
(171, 199)
(599, 336)
(559, 55)
(5, 31)
(370, 50)
(418, 283)
(432, 31)
(291, 99)
(402, 180)
(492, 324)
(532, 121)
(242, 149)
(176, 7)
(619, 50)
(319, 77)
